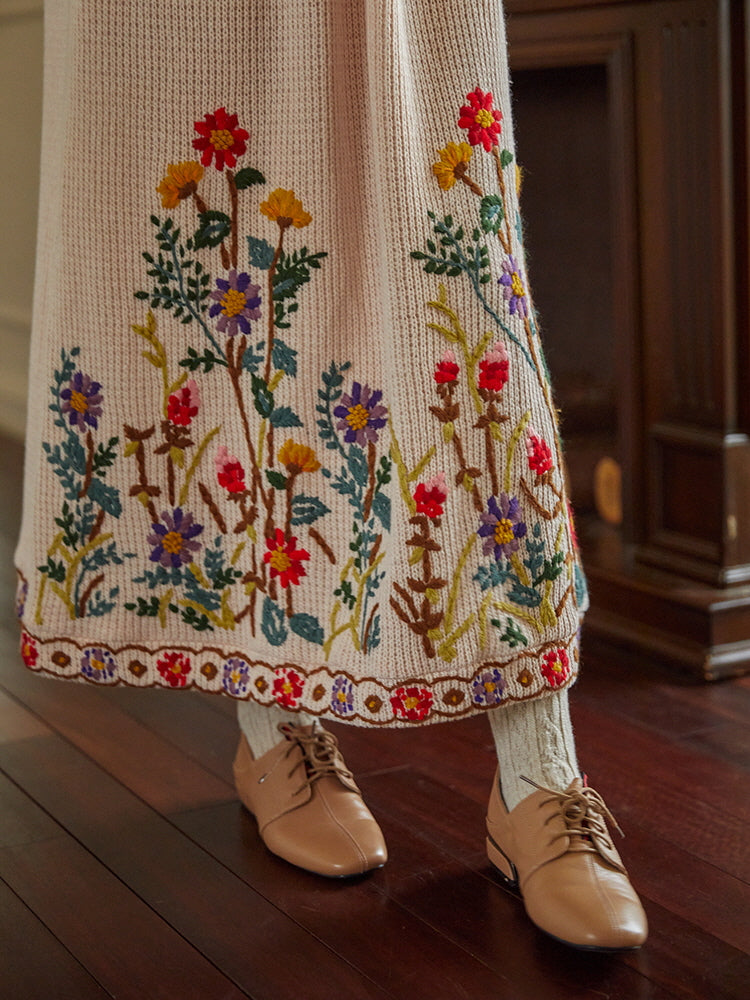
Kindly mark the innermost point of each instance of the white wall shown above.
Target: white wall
(20, 124)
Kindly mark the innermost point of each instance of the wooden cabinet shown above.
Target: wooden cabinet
(654, 98)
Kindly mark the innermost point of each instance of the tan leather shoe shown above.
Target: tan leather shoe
(555, 848)
(307, 805)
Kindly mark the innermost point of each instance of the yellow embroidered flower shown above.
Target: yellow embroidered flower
(284, 208)
(181, 182)
(298, 457)
(454, 160)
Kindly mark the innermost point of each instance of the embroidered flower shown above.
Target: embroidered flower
(173, 540)
(236, 676)
(183, 405)
(361, 413)
(493, 368)
(229, 471)
(287, 687)
(502, 526)
(411, 703)
(446, 370)
(284, 559)
(181, 182)
(81, 401)
(342, 696)
(235, 301)
(488, 687)
(514, 291)
(555, 667)
(220, 138)
(98, 664)
(452, 165)
(283, 207)
(29, 651)
(298, 458)
(22, 593)
(431, 496)
(480, 119)
(537, 452)
(174, 668)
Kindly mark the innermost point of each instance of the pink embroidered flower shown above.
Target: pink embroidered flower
(481, 119)
(493, 368)
(411, 703)
(174, 668)
(446, 370)
(29, 651)
(287, 687)
(183, 405)
(556, 667)
(538, 452)
(284, 559)
(229, 471)
(220, 138)
(431, 496)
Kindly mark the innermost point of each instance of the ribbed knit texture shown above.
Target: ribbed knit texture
(260, 724)
(291, 436)
(534, 739)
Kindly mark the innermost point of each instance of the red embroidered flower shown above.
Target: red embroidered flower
(174, 668)
(556, 667)
(538, 452)
(412, 703)
(284, 559)
(446, 370)
(183, 405)
(287, 687)
(229, 471)
(493, 368)
(219, 137)
(29, 651)
(481, 119)
(431, 496)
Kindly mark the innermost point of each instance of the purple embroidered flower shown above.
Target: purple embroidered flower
(236, 302)
(22, 592)
(488, 687)
(514, 291)
(362, 415)
(81, 401)
(173, 540)
(236, 676)
(501, 526)
(98, 664)
(342, 696)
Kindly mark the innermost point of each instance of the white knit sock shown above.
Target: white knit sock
(534, 738)
(259, 724)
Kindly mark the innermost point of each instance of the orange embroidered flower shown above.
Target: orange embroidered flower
(481, 120)
(298, 457)
(180, 183)
(284, 208)
(220, 138)
(453, 163)
(284, 559)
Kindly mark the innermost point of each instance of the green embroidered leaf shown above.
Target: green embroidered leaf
(358, 467)
(54, 570)
(284, 358)
(261, 253)
(284, 416)
(492, 213)
(381, 508)
(145, 608)
(253, 357)
(198, 621)
(206, 361)
(273, 623)
(307, 627)
(506, 157)
(551, 570)
(262, 396)
(276, 479)
(512, 634)
(213, 229)
(107, 497)
(246, 177)
(306, 510)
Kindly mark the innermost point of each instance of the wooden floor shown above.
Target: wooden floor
(128, 870)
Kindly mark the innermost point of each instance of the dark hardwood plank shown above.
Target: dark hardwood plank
(34, 965)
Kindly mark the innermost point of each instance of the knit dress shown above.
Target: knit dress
(291, 436)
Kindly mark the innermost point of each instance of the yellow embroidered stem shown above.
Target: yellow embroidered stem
(453, 593)
(195, 463)
(524, 616)
(512, 445)
(447, 648)
(456, 334)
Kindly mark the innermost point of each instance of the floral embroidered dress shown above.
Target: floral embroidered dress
(291, 434)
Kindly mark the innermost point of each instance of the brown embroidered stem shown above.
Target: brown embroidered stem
(89, 465)
(289, 497)
(472, 185)
(289, 610)
(491, 464)
(211, 504)
(269, 298)
(170, 480)
(504, 240)
(318, 538)
(542, 511)
(371, 458)
(563, 600)
(233, 201)
(87, 593)
(98, 524)
(234, 366)
(202, 208)
(458, 445)
(370, 618)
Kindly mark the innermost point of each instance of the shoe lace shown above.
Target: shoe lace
(584, 811)
(320, 754)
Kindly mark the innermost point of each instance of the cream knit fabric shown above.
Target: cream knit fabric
(291, 436)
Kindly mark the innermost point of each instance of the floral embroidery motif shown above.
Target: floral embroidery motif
(488, 687)
(412, 703)
(287, 687)
(174, 668)
(555, 667)
(236, 677)
(98, 665)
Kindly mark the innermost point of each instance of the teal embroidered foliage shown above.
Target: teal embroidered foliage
(512, 634)
(181, 285)
(503, 573)
(292, 272)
